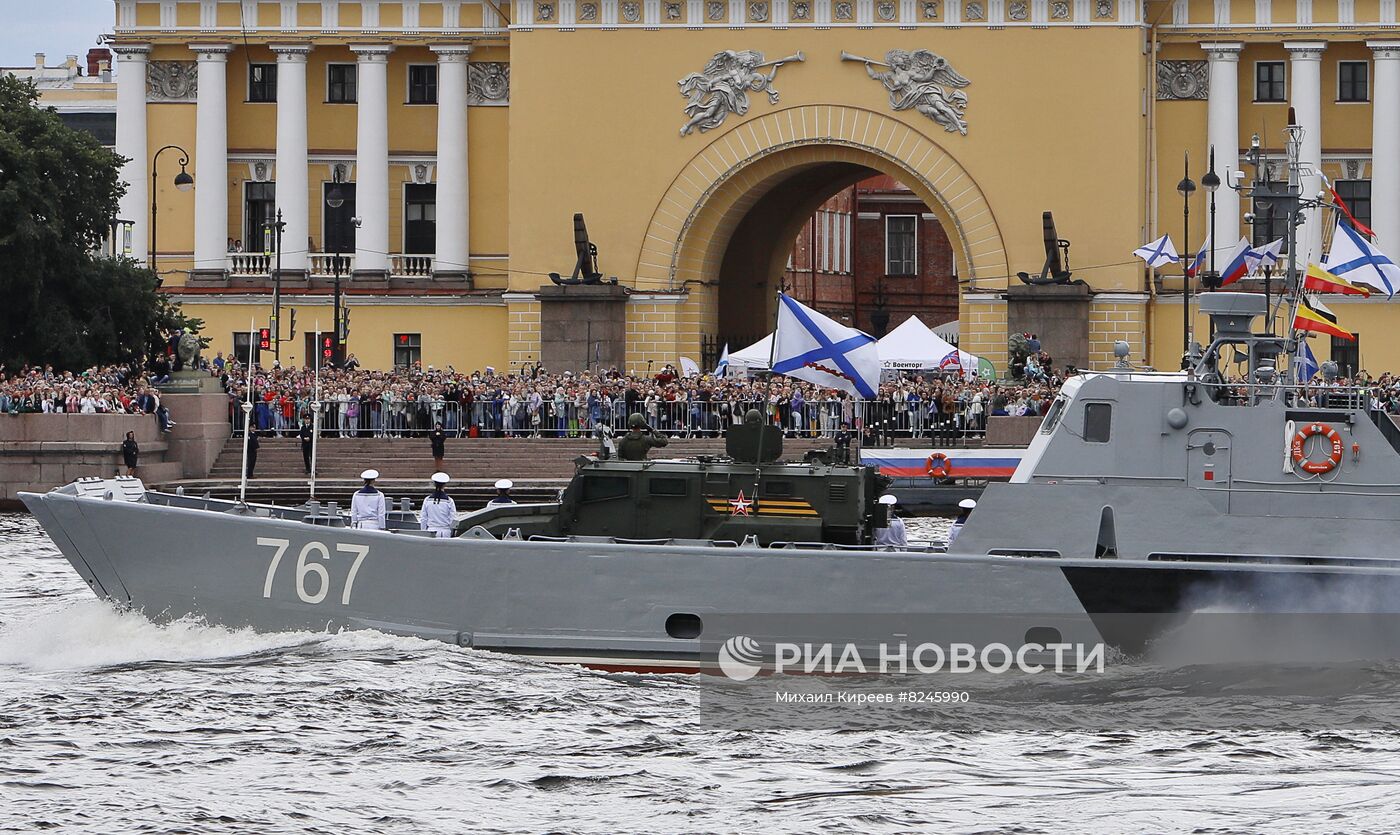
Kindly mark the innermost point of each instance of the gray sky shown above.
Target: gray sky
(53, 27)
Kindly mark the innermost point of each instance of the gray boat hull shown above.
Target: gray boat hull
(605, 604)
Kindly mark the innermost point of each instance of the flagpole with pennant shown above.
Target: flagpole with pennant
(316, 409)
(247, 413)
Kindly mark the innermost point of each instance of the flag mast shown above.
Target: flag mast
(247, 415)
(316, 409)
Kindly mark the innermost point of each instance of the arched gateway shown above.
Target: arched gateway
(721, 231)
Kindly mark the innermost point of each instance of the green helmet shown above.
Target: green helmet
(636, 421)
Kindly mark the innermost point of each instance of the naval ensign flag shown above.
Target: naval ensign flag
(811, 347)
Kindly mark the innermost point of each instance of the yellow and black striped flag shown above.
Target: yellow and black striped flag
(1314, 316)
(1320, 280)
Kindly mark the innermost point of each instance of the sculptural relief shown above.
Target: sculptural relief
(724, 85)
(1182, 81)
(172, 80)
(488, 82)
(974, 11)
(921, 81)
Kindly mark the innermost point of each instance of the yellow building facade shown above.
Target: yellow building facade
(697, 136)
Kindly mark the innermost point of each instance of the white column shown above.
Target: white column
(292, 186)
(1223, 134)
(131, 143)
(372, 160)
(1305, 65)
(1385, 144)
(450, 260)
(211, 161)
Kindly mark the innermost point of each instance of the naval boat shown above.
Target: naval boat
(1144, 493)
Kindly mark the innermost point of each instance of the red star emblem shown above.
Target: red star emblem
(741, 505)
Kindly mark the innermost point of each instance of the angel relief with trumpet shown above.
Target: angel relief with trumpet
(922, 81)
(724, 85)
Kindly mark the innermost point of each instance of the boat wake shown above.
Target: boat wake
(91, 634)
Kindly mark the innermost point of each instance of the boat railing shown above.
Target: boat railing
(1293, 395)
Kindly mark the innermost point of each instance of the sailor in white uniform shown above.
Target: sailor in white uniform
(965, 510)
(368, 508)
(439, 511)
(503, 492)
(894, 533)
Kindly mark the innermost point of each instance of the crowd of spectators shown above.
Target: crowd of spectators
(535, 402)
(110, 389)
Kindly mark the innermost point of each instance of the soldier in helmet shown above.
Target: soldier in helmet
(639, 439)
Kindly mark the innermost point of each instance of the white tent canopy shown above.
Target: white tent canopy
(753, 358)
(912, 346)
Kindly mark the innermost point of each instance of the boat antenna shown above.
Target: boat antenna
(316, 409)
(247, 415)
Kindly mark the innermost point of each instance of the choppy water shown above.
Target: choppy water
(109, 723)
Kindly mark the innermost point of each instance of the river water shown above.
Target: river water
(109, 723)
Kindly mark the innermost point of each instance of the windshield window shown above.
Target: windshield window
(1052, 417)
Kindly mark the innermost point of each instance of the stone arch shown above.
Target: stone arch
(695, 219)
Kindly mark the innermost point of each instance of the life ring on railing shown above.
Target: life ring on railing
(1326, 465)
(938, 466)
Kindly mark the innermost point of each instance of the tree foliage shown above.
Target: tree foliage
(61, 301)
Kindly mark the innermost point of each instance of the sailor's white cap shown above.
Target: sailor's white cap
(504, 484)
(441, 478)
(967, 504)
(888, 498)
(369, 475)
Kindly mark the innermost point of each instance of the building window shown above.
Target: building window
(419, 219)
(1356, 194)
(241, 341)
(422, 84)
(1346, 354)
(1269, 81)
(1270, 217)
(262, 82)
(337, 229)
(901, 244)
(340, 83)
(1353, 81)
(408, 349)
(259, 210)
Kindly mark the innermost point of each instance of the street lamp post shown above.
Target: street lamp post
(1186, 188)
(183, 182)
(1210, 182)
(335, 200)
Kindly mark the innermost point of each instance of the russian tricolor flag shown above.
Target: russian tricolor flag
(1239, 264)
(1195, 265)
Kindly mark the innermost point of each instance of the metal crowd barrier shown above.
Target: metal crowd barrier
(881, 421)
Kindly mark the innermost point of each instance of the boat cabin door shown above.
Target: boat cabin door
(1208, 459)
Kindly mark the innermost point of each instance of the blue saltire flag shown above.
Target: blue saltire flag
(1159, 252)
(822, 351)
(1357, 260)
(1307, 363)
(723, 361)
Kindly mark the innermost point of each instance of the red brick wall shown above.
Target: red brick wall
(853, 297)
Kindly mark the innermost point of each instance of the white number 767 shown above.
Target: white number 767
(305, 569)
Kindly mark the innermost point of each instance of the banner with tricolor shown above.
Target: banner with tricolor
(1319, 280)
(1314, 316)
(1195, 265)
(997, 464)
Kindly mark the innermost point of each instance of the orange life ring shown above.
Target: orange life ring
(1326, 465)
(938, 466)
